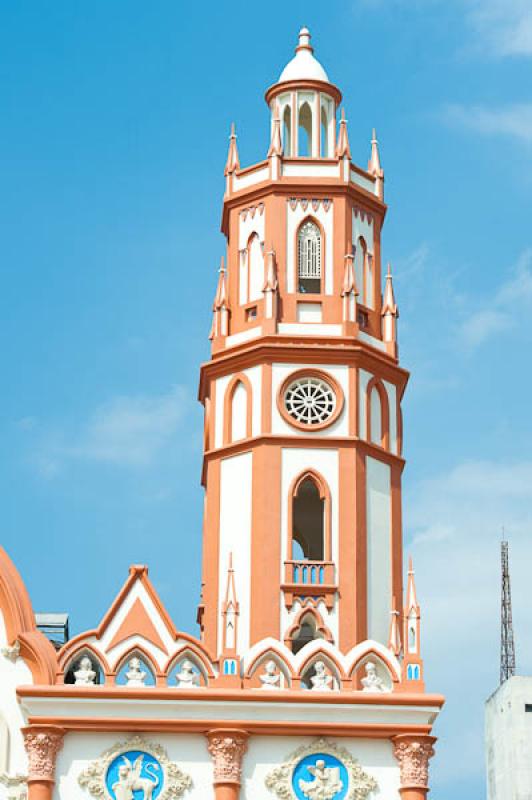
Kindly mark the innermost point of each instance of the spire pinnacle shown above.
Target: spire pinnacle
(411, 597)
(349, 285)
(220, 300)
(276, 147)
(342, 149)
(270, 283)
(374, 164)
(304, 40)
(233, 162)
(389, 305)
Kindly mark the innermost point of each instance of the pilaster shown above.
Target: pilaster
(42, 745)
(413, 754)
(227, 747)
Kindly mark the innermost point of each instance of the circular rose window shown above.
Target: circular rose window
(310, 400)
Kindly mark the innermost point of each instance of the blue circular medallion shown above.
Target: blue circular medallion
(320, 775)
(134, 775)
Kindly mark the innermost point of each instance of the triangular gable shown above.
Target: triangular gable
(138, 619)
(137, 623)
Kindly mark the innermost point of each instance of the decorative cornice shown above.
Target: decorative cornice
(227, 748)
(413, 754)
(42, 746)
(314, 203)
(279, 780)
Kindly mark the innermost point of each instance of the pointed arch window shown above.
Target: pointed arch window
(309, 252)
(324, 138)
(308, 522)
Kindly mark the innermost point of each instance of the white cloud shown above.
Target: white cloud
(497, 313)
(454, 524)
(125, 431)
(504, 26)
(512, 120)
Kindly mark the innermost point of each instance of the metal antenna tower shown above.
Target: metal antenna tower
(507, 629)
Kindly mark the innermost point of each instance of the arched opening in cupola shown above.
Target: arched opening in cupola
(304, 138)
(287, 132)
(324, 134)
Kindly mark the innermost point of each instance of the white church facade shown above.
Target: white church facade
(306, 679)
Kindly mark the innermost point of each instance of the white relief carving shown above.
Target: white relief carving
(135, 674)
(271, 677)
(85, 675)
(326, 782)
(372, 682)
(360, 784)
(186, 678)
(174, 781)
(130, 780)
(16, 785)
(322, 681)
(12, 652)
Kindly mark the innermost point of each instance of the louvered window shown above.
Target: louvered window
(309, 258)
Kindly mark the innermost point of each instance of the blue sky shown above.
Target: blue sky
(113, 138)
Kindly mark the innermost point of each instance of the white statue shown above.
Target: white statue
(135, 674)
(372, 682)
(326, 783)
(322, 681)
(187, 678)
(85, 675)
(130, 781)
(270, 678)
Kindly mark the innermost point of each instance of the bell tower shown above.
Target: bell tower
(302, 395)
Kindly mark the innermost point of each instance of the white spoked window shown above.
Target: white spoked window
(310, 400)
(309, 258)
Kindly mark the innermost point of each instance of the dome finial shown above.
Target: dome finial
(304, 40)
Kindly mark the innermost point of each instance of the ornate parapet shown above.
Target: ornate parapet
(227, 748)
(42, 746)
(413, 754)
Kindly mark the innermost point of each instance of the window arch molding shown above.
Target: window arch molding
(76, 654)
(377, 384)
(319, 624)
(325, 495)
(322, 263)
(189, 650)
(234, 383)
(144, 655)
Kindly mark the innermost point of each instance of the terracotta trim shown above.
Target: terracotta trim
(35, 649)
(266, 405)
(291, 86)
(327, 443)
(310, 373)
(253, 726)
(210, 695)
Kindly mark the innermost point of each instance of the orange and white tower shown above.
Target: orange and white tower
(307, 679)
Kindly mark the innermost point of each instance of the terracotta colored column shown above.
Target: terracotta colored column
(42, 745)
(413, 753)
(227, 747)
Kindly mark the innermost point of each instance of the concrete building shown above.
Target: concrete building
(509, 740)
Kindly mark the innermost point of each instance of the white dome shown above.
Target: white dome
(304, 66)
